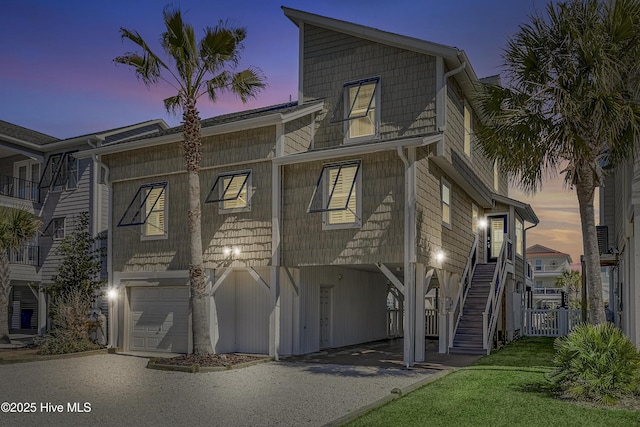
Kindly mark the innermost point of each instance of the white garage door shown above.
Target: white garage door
(159, 319)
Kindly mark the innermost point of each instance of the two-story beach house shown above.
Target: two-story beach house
(317, 213)
(39, 173)
(548, 265)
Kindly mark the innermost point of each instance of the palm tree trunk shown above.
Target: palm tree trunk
(585, 189)
(198, 296)
(5, 290)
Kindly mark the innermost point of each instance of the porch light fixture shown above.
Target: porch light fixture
(112, 294)
(440, 256)
(482, 223)
(227, 251)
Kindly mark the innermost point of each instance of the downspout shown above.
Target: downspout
(445, 78)
(111, 339)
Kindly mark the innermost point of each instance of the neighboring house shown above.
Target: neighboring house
(319, 216)
(619, 242)
(40, 173)
(548, 265)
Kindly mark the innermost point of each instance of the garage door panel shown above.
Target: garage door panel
(159, 319)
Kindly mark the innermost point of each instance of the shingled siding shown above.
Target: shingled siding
(130, 253)
(454, 137)
(379, 239)
(433, 236)
(249, 231)
(407, 83)
(299, 135)
(217, 150)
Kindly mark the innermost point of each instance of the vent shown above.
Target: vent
(603, 239)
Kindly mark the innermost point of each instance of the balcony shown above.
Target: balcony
(17, 188)
(548, 291)
(551, 268)
(25, 255)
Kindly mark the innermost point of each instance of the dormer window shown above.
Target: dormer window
(359, 109)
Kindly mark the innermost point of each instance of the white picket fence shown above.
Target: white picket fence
(550, 322)
(394, 322)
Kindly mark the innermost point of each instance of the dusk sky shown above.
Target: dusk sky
(57, 74)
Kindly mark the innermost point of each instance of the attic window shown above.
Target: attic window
(358, 108)
(337, 195)
(232, 191)
(60, 172)
(148, 208)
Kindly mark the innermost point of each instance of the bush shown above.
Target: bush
(597, 363)
(73, 327)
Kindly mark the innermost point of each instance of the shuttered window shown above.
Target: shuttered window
(337, 195)
(232, 191)
(148, 208)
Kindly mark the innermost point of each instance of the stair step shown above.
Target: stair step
(467, 351)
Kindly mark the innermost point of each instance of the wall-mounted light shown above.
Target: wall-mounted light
(440, 256)
(112, 293)
(482, 223)
(227, 251)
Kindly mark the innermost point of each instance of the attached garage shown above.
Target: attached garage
(159, 319)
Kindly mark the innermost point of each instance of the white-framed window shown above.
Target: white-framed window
(538, 265)
(148, 209)
(468, 130)
(58, 228)
(60, 172)
(474, 219)
(338, 195)
(519, 236)
(232, 191)
(445, 195)
(358, 108)
(496, 176)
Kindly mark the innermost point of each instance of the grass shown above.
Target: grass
(505, 388)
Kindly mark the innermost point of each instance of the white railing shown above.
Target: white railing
(548, 291)
(550, 322)
(455, 312)
(550, 268)
(431, 322)
(490, 314)
(394, 322)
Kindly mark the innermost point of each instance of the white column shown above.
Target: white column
(420, 314)
(274, 317)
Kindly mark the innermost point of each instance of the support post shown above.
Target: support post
(274, 317)
(420, 313)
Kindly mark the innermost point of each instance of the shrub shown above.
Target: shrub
(72, 325)
(596, 363)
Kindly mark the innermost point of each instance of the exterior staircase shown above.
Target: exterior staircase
(468, 335)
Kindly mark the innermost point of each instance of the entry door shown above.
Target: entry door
(495, 236)
(325, 317)
(28, 174)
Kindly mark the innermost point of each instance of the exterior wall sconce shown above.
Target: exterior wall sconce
(227, 251)
(440, 256)
(112, 294)
(482, 223)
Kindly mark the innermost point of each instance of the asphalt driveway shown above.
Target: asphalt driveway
(117, 390)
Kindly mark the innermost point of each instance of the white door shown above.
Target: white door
(159, 319)
(28, 174)
(325, 317)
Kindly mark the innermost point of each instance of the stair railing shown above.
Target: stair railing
(455, 312)
(490, 314)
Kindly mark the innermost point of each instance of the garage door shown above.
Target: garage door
(159, 319)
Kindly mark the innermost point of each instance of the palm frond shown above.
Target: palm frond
(17, 226)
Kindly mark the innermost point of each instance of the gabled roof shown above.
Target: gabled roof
(543, 251)
(20, 133)
(452, 56)
(523, 209)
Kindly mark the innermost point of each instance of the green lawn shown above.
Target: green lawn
(507, 388)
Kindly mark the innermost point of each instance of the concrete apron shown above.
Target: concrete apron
(385, 354)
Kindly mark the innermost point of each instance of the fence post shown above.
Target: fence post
(563, 322)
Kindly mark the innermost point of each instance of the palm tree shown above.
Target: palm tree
(571, 106)
(194, 69)
(17, 227)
